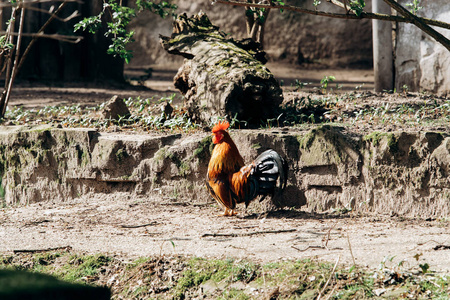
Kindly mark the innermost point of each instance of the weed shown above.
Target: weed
(326, 80)
(180, 277)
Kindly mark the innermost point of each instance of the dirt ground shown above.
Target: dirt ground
(135, 227)
(30, 95)
(119, 223)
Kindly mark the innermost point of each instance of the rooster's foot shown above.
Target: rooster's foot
(228, 213)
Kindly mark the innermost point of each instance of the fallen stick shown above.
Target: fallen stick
(329, 278)
(316, 247)
(309, 247)
(139, 226)
(246, 234)
(66, 248)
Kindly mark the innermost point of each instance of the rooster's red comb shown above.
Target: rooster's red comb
(221, 126)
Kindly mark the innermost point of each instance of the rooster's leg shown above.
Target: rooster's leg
(228, 213)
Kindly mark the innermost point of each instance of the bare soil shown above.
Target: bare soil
(134, 227)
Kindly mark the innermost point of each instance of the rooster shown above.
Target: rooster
(229, 181)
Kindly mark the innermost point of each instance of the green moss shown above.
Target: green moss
(374, 137)
(121, 154)
(205, 148)
(184, 168)
(2, 192)
(256, 146)
(325, 145)
(162, 154)
(84, 158)
(225, 63)
(392, 143)
(305, 141)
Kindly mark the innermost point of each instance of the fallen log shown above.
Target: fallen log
(221, 76)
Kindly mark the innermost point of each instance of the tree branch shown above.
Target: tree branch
(26, 3)
(75, 14)
(59, 37)
(10, 39)
(419, 23)
(16, 62)
(363, 15)
(27, 50)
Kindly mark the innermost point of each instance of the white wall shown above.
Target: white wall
(422, 63)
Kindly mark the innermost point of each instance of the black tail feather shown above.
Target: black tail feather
(269, 174)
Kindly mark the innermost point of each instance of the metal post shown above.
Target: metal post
(383, 63)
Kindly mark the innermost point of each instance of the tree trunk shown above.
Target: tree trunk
(383, 61)
(55, 60)
(220, 76)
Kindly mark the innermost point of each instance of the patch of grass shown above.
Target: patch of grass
(80, 266)
(145, 115)
(234, 294)
(355, 108)
(180, 277)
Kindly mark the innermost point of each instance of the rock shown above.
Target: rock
(115, 108)
(379, 292)
(399, 173)
(221, 76)
(422, 64)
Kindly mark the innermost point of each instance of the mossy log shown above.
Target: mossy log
(221, 76)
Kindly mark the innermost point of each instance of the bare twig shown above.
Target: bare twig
(363, 15)
(65, 248)
(16, 61)
(139, 226)
(26, 3)
(27, 50)
(75, 14)
(309, 247)
(63, 38)
(329, 278)
(350, 248)
(424, 243)
(328, 235)
(246, 234)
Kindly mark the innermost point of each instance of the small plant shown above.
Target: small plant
(405, 89)
(316, 3)
(424, 267)
(357, 6)
(414, 6)
(299, 85)
(120, 17)
(326, 80)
